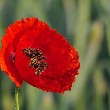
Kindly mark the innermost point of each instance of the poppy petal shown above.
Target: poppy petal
(61, 58)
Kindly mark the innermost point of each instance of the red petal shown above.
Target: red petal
(8, 46)
(62, 59)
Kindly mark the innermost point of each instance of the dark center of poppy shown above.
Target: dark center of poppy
(36, 59)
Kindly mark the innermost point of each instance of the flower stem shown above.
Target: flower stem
(16, 98)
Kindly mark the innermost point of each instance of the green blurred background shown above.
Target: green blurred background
(86, 24)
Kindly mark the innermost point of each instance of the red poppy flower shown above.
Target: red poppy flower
(38, 55)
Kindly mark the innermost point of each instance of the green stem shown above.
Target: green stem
(16, 98)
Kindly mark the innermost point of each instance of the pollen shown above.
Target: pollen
(36, 59)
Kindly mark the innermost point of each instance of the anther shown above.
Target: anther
(36, 59)
(12, 56)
